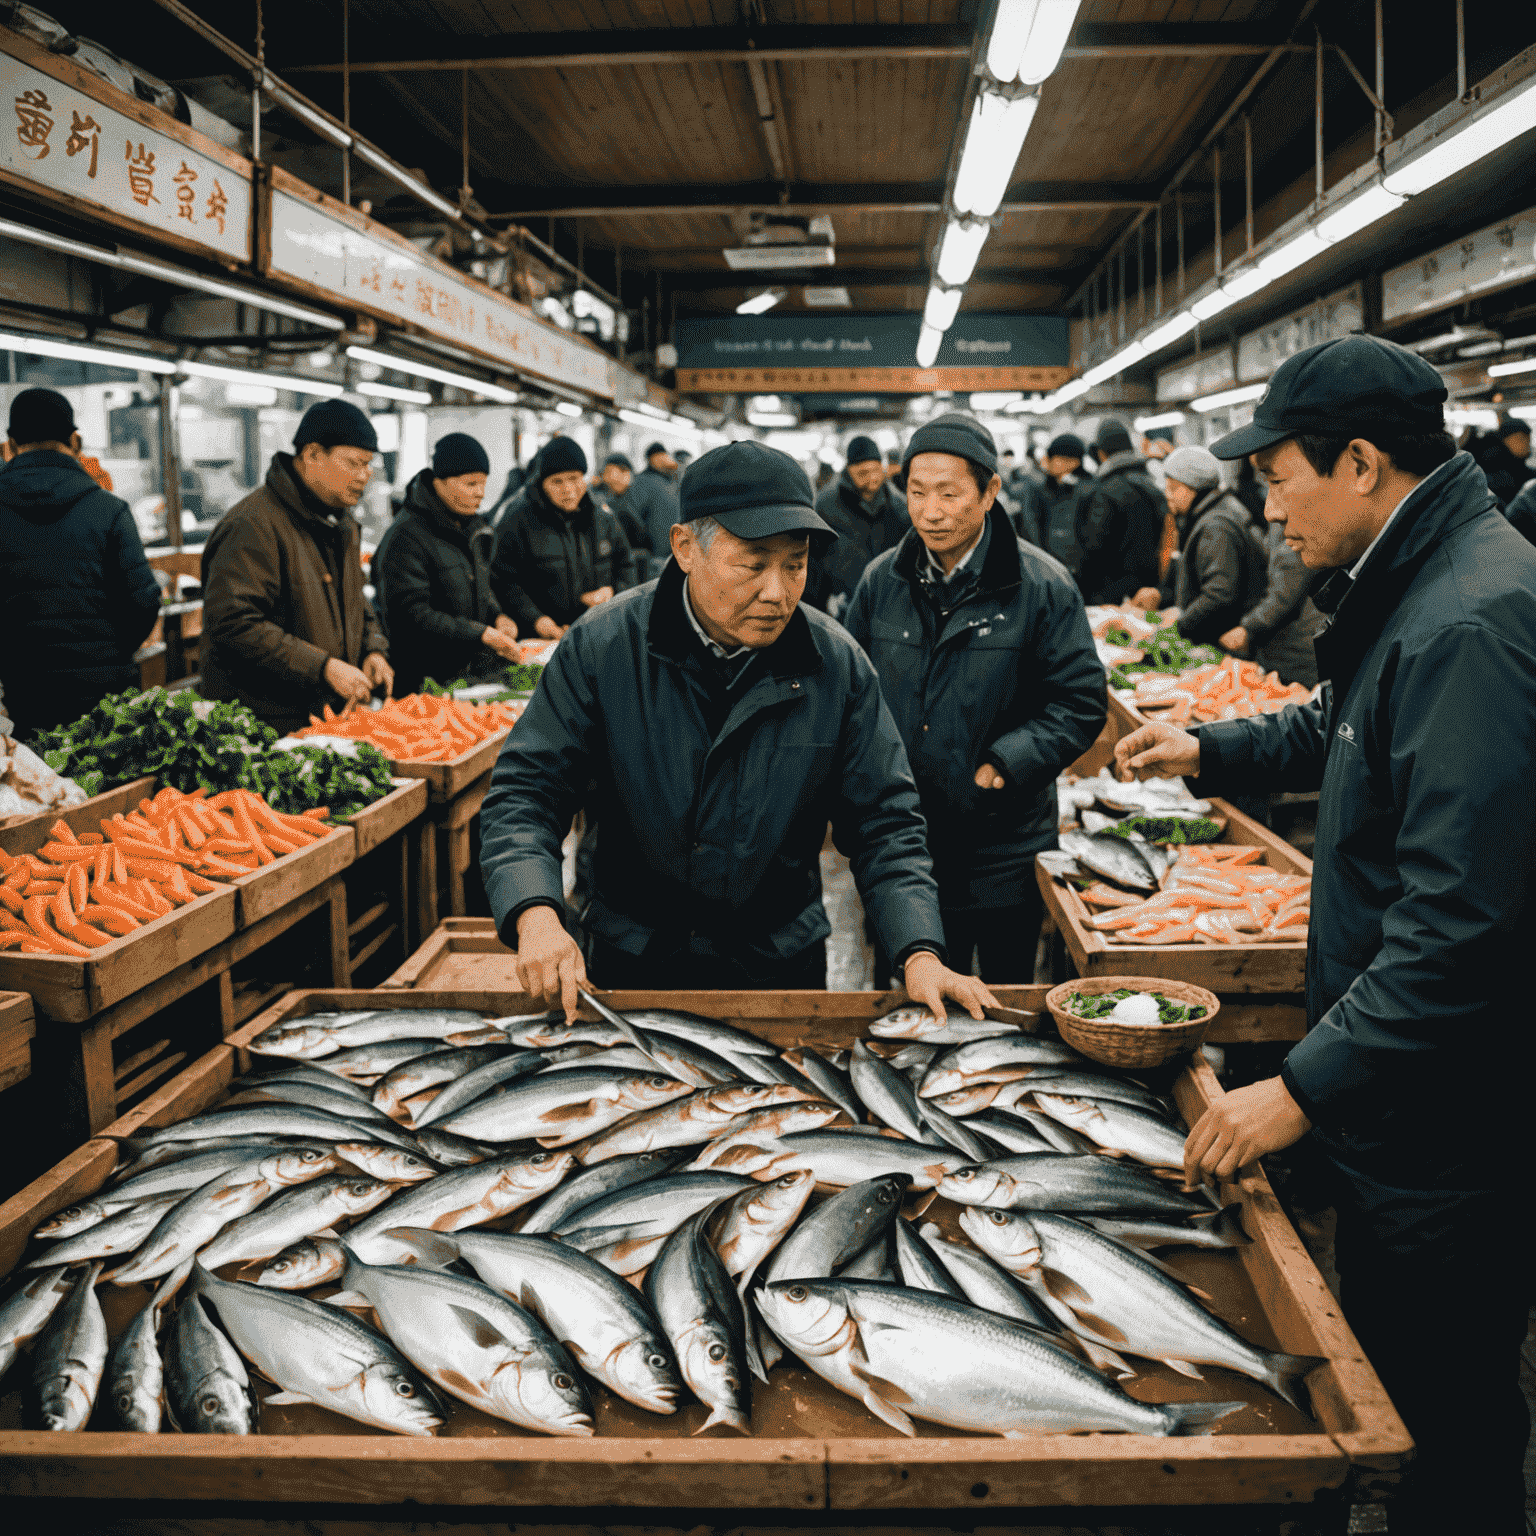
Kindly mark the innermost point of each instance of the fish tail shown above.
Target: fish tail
(1197, 1418)
(730, 1416)
(1227, 1224)
(172, 1283)
(436, 1248)
(1283, 1376)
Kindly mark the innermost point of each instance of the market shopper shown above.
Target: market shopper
(557, 552)
(1118, 522)
(611, 490)
(81, 595)
(869, 516)
(988, 665)
(1503, 454)
(721, 725)
(432, 574)
(1424, 749)
(1278, 631)
(286, 626)
(653, 501)
(1046, 508)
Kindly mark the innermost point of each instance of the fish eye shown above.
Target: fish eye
(797, 1293)
(717, 1351)
(539, 1157)
(789, 1180)
(997, 1218)
(660, 1082)
(885, 1196)
(361, 1187)
(211, 1405)
(563, 1382)
(404, 1389)
(125, 1402)
(657, 1362)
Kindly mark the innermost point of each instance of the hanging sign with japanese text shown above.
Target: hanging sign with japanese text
(331, 251)
(73, 138)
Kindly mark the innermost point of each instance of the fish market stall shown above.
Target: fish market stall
(462, 955)
(817, 1434)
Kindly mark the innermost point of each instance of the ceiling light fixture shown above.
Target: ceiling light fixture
(1028, 37)
(395, 392)
(1166, 419)
(567, 409)
(759, 303)
(1502, 370)
(441, 375)
(928, 340)
(959, 250)
(1228, 397)
(37, 346)
(942, 305)
(322, 387)
(1485, 131)
(993, 139)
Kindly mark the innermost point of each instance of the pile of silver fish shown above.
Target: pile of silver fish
(519, 1211)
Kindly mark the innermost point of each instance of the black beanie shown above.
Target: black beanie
(560, 455)
(1068, 446)
(621, 459)
(1112, 437)
(954, 432)
(862, 450)
(656, 448)
(459, 454)
(336, 424)
(41, 416)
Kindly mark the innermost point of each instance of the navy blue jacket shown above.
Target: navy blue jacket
(80, 595)
(714, 833)
(1424, 888)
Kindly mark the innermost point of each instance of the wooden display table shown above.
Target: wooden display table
(17, 1027)
(463, 955)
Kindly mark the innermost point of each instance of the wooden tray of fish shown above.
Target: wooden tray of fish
(1221, 968)
(880, 1431)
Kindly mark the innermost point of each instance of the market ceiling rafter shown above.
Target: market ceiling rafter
(786, 44)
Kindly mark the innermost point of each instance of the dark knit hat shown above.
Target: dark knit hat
(41, 416)
(954, 432)
(559, 456)
(1112, 437)
(863, 450)
(621, 459)
(1068, 446)
(459, 454)
(656, 448)
(336, 424)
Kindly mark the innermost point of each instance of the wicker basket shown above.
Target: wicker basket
(1118, 1044)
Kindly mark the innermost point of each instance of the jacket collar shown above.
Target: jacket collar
(853, 498)
(1117, 463)
(1001, 568)
(422, 499)
(584, 517)
(669, 635)
(1212, 503)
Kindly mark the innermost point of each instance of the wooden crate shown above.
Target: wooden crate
(17, 1027)
(446, 781)
(377, 823)
(1222, 968)
(463, 955)
(271, 888)
(827, 1452)
(28, 834)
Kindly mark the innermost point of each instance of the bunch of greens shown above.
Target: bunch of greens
(1166, 651)
(516, 682)
(190, 743)
(1102, 1004)
(1167, 830)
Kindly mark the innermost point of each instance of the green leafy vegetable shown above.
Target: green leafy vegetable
(516, 681)
(1101, 1005)
(1166, 651)
(1175, 830)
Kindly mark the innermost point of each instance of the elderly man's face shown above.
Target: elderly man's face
(1058, 465)
(1327, 518)
(868, 477)
(566, 489)
(743, 591)
(616, 478)
(948, 508)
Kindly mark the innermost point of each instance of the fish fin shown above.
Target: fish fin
(753, 1353)
(579, 1109)
(481, 1330)
(329, 1232)
(1284, 1376)
(1103, 1358)
(348, 1299)
(1065, 1288)
(436, 1249)
(1183, 1367)
(874, 1399)
(919, 1201)
(1226, 1223)
(1197, 1418)
(172, 1283)
(1173, 1274)
(283, 1399)
(1101, 1326)
(725, 1416)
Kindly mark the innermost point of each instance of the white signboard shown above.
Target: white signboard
(390, 278)
(1207, 374)
(1339, 314)
(1493, 258)
(69, 145)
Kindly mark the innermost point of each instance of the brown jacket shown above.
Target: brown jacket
(282, 594)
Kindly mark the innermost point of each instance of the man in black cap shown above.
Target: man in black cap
(1046, 507)
(1118, 521)
(721, 726)
(869, 516)
(432, 574)
(987, 662)
(286, 627)
(558, 553)
(653, 500)
(81, 595)
(1424, 748)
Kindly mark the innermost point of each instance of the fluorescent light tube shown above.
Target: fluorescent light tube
(36, 346)
(1047, 37)
(1166, 419)
(1512, 116)
(1249, 281)
(321, 387)
(567, 409)
(928, 340)
(761, 302)
(942, 306)
(1212, 304)
(993, 139)
(1500, 370)
(996, 400)
(959, 249)
(395, 392)
(441, 375)
(1010, 35)
(1359, 213)
(1170, 331)
(1228, 397)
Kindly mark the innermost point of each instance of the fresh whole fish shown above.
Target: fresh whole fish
(391, 1164)
(1113, 1294)
(69, 1357)
(688, 1061)
(452, 1151)
(207, 1387)
(134, 1378)
(1038, 1182)
(564, 1106)
(630, 1056)
(25, 1312)
(1119, 1128)
(379, 1026)
(1061, 1138)
(186, 1227)
(626, 1230)
(901, 1351)
(754, 1131)
(979, 1061)
(1112, 857)
(839, 1229)
(296, 1071)
(120, 1233)
(1062, 866)
(915, 1022)
(952, 1132)
(85, 1214)
(314, 1261)
(983, 1282)
(366, 1064)
(841, 1158)
(1216, 1230)
(723, 1039)
(876, 1263)
(308, 1211)
(831, 1082)
(748, 1227)
(702, 1116)
(285, 1090)
(602, 1179)
(916, 1264)
(773, 1069)
(473, 1343)
(547, 1031)
(601, 1319)
(159, 1158)
(1017, 1136)
(293, 1037)
(693, 1298)
(322, 1355)
(1080, 1085)
(282, 1120)
(465, 1089)
(423, 1072)
(887, 1095)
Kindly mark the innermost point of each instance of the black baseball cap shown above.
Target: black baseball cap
(751, 490)
(1355, 385)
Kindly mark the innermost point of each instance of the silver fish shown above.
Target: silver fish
(918, 1266)
(915, 1022)
(723, 1039)
(545, 1031)
(985, 1283)
(1054, 1183)
(630, 1056)
(942, 1360)
(85, 1214)
(688, 1061)
(391, 1164)
(315, 1261)
(626, 1230)
(749, 1226)
(296, 1071)
(1079, 1085)
(1112, 857)
(841, 1158)
(834, 1085)
(700, 1117)
(134, 1379)
(876, 1264)
(69, 1357)
(423, 1072)
(450, 1150)
(952, 1132)
(692, 1296)
(601, 1179)
(207, 1388)
(602, 1320)
(462, 1197)
(120, 1233)
(291, 1037)
(366, 1064)
(307, 1211)
(1058, 864)
(1218, 1230)
(838, 1229)
(283, 1120)
(464, 1090)
(322, 1355)
(25, 1312)
(283, 1090)
(887, 1095)
(564, 1106)
(473, 1343)
(980, 1061)
(1119, 1128)
(385, 1024)
(763, 1127)
(1017, 1136)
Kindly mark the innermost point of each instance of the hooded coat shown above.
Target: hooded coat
(81, 595)
(864, 529)
(1223, 567)
(432, 574)
(282, 595)
(1119, 520)
(1423, 747)
(1010, 676)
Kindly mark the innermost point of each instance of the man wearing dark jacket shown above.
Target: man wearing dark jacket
(557, 552)
(1423, 748)
(869, 516)
(987, 662)
(1119, 517)
(1047, 516)
(653, 501)
(286, 627)
(80, 593)
(432, 574)
(722, 726)
(1278, 630)
(611, 489)
(1502, 454)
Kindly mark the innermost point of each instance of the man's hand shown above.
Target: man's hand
(549, 964)
(547, 629)
(987, 777)
(500, 641)
(506, 625)
(1157, 751)
(1235, 640)
(1240, 1127)
(379, 673)
(347, 681)
(601, 595)
(1147, 597)
(930, 981)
